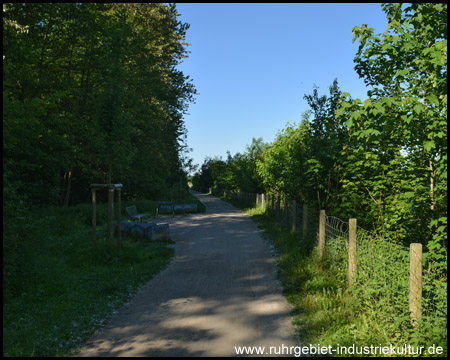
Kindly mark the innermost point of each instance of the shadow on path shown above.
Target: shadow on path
(220, 291)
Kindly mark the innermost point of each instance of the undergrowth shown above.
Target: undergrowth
(326, 311)
(58, 289)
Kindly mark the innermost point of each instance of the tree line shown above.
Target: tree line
(382, 160)
(92, 94)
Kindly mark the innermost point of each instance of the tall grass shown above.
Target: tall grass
(58, 289)
(326, 311)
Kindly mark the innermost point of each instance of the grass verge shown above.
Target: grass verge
(60, 289)
(326, 312)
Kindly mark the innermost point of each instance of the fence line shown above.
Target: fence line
(400, 278)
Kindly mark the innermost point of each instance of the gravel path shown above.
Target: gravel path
(219, 291)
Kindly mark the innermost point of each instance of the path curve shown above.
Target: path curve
(219, 291)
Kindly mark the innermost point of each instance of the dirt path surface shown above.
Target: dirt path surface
(219, 291)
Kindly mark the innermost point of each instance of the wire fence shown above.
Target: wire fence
(383, 274)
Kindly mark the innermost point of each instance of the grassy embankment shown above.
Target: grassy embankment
(325, 310)
(58, 288)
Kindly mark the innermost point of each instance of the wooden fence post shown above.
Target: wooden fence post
(305, 220)
(415, 282)
(94, 219)
(351, 251)
(294, 216)
(321, 233)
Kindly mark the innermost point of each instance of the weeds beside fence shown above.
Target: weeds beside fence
(400, 282)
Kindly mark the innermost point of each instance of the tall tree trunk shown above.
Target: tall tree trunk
(329, 187)
(41, 60)
(432, 175)
(69, 179)
(63, 188)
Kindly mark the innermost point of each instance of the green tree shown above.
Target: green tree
(283, 164)
(328, 135)
(92, 91)
(302, 161)
(253, 154)
(395, 166)
(238, 172)
(202, 179)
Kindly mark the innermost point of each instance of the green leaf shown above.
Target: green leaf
(433, 99)
(409, 194)
(428, 145)
(418, 108)
(340, 111)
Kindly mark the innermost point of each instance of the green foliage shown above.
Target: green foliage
(328, 135)
(58, 289)
(394, 166)
(282, 166)
(19, 240)
(91, 93)
(301, 163)
(238, 172)
(375, 310)
(383, 161)
(202, 179)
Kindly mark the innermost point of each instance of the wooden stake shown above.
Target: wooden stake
(351, 251)
(322, 234)
(415, 282)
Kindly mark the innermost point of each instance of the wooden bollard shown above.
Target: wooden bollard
(322, 233)
(351, 251)
(415, 282)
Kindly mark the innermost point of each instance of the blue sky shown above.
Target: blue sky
(253, 63)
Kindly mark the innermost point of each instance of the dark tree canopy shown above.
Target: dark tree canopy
(92, 93)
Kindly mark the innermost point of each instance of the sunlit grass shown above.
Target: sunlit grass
(325, 311)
